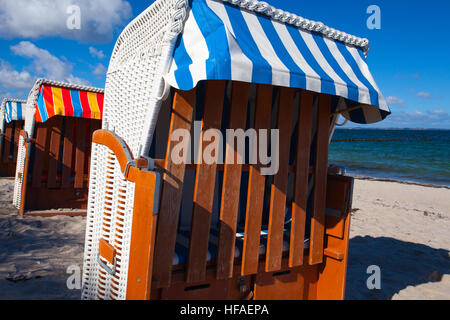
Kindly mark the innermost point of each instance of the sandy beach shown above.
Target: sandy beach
(402, 228)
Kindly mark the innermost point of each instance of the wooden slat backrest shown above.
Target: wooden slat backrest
(8, 138)
(40, 152)
(320, 181)
(257, 183)
(231, 184)
(275, 240)
(10, 145)
(62, 149)
(182, 114)
(205, 183)
(204, 186)
(54, 155)
(80, 153)
(301, 180)
(68, 152)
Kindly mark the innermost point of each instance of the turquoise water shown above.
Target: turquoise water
(412, 161)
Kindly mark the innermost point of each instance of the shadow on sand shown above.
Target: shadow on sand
(402, 264)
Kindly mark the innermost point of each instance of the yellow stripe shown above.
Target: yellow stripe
(58, 102)
(95, 109)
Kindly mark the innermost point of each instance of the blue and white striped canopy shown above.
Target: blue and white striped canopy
(14, 110)
(222, 41)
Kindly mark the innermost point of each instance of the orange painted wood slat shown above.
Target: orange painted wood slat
(8, 138)
(231, 184)
(39, 155)
(55, 146)
(332, 278)
(274, 252)
(80, 153)
(320, 181)
(301, 179)
(144, 219)
(68, 150)
(173, 179)
(257, 182)
(204, 186)
(143, 237)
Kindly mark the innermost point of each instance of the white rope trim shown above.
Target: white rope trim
(300, 22)
(34, 93)
(6, 100)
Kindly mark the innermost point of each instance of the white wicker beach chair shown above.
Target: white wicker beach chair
(11, 123)
(51, 164)
(158, 229)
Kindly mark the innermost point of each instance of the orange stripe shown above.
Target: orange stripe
(48, 100)
(58, 102)
(37, 115)
(95, 110)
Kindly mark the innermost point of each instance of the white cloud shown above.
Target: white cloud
(96, 53)
(11, 79)
(420, 119)
(394, 100)
(45, 64)
(424, 95)
(100, 70)
(46, 18)
(441, 113)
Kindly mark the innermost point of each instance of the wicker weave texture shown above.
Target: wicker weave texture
(132, 97)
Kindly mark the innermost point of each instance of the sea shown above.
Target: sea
(417, 156)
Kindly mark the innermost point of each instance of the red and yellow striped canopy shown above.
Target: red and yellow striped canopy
(57, 101)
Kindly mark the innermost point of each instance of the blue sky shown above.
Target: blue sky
(408, 56)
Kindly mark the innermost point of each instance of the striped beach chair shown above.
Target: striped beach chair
(54, 148)
(11, 123)
(167, 222)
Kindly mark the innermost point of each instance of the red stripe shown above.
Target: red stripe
(85, 105)
(67, 100)
(48, 98)
(100, 100)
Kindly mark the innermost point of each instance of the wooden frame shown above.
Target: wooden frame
(9, 148)
(57, 166)
(317, 271)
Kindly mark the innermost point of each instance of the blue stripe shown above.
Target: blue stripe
(218, 65)
(9, 112)
(353, 89)
(374, 96)
(76, 103)
(182, 59)
(19, 111)
(297, 76)
(383, 113)
(41, 107)
(262, 70)
(327, 84)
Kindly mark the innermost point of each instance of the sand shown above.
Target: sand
(35, 253)
(405, 230)
(401, 228)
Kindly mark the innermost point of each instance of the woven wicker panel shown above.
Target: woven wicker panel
(133, 82)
